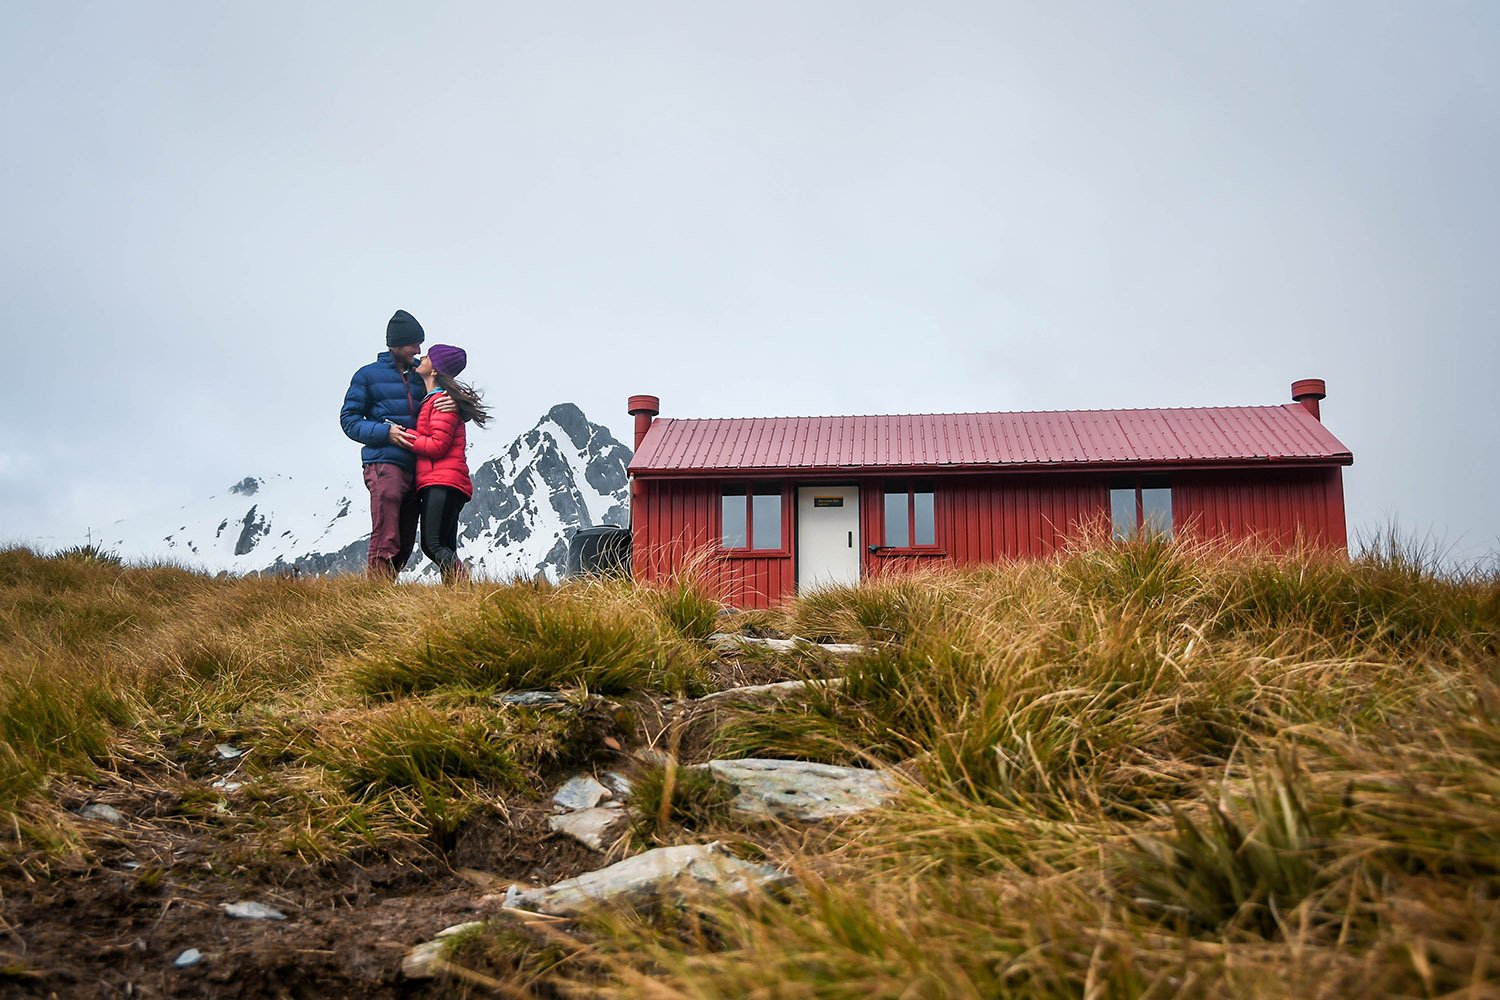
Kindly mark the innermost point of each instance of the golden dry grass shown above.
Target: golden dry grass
(1141, 770)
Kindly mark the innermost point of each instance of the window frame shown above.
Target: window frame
(1139, 484)
(910, 487)
(749, 490)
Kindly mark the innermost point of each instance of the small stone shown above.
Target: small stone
(616, 783)
(590, 827)
(188, 959)
(248, 910)
(225, 785)
(103, 813)
(580, 792)
(227, 751)
(651, 874)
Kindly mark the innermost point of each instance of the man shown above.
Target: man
(380, 412)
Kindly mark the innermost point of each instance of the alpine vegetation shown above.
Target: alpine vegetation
(1139, 769)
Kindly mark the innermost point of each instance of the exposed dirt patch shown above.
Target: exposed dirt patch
(518, 847)
(113, 918)
(111, 933)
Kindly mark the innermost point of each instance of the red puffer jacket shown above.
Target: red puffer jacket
(439, 444)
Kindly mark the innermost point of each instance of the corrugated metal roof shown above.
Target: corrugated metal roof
(1062, 438)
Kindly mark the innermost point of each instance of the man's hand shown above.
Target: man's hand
(400, 436)
(444, 403)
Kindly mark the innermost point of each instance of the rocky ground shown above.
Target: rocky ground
(170, 907)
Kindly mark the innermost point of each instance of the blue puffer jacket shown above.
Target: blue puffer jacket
(377, 393)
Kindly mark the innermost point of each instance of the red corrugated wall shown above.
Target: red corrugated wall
(680, 531)
(982, 519)
(987, 518)
(1273, 508)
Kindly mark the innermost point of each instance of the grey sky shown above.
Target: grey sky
(747, 209)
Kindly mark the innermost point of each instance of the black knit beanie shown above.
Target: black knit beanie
(403, 329)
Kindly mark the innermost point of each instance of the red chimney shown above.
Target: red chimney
(643, 408)
(1306, 391)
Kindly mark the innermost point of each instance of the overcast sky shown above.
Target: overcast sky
(210, 210)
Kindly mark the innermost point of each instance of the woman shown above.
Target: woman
(443, 484)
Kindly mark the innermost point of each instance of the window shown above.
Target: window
(910, 516)
(750, 517)
(1143, 507)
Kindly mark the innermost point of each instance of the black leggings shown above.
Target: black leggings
(440, 509)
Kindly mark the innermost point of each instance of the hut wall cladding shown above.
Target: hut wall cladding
(679, 533)
(1279, 509)
(983, 518)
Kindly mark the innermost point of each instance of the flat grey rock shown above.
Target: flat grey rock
(188, 959)
(421, 961)
(646, 876)
(591, 827)
(777, 691)
(796, 789)
(532, 699)
(227, 751)
(249, 910)
(617, 783)
(103, 813)
(581, 792)
(724, 640)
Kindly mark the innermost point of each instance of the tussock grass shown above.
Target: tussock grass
(1107, 680)
(432, 765)
(526, 638)
(686, 606)
(1136, 770)
(1143, 770)
(665, 797)
(890, 611)
(517, 959)
(408, 746)
(89, 647)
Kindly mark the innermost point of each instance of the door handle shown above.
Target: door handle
(851, 539)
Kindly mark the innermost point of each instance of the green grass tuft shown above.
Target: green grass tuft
(664, 795)
(520, 638)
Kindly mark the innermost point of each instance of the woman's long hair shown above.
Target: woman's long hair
(470, 407)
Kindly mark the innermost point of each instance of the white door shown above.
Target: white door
(828, 543)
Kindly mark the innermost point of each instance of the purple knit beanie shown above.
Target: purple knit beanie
(447, 359)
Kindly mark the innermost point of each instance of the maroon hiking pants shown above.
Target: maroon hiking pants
(393, 518)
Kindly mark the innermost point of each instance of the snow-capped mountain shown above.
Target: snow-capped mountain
(564, 474)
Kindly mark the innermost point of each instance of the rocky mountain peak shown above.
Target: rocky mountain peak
(571, 419)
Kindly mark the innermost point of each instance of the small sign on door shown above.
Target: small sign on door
(828, 501)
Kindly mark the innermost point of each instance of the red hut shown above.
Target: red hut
(776, 505)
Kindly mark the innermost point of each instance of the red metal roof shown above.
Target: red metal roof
(1049, 439)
